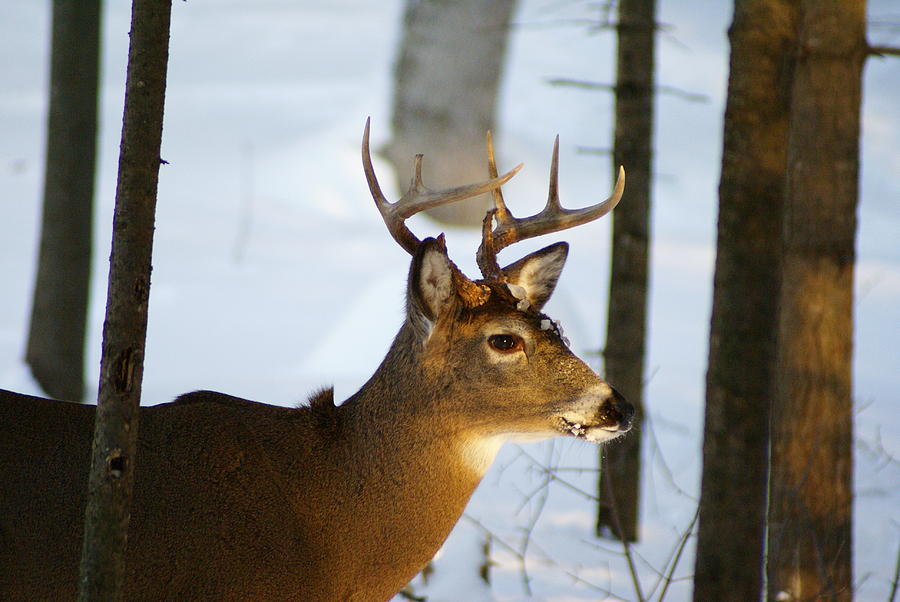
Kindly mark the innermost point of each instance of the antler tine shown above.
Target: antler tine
(398, 229)
(553, 192)
(496, 193)
(552, 218)
(486, 256)
(419, 197)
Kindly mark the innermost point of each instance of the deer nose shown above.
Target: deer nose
(623, 408)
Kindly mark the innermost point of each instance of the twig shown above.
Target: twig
(554, 477)
(681, 545)
(894, 582)
(579, 469)
(683, 94)
(408, 595)
(578, 83)
(593, 150)
(649, 426)
(626, 547)
(591, 24)
(503, 544)
(588, 85)
(883, 51)
(605, 591)
(529, 529)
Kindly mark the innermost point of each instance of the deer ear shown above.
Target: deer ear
(538, 272)
(431, 288)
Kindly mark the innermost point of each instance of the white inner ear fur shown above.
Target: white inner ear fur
(539, 276)
(517, 291)
(435, 282)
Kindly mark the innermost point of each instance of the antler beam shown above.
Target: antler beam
(418, 197)
(552, 218)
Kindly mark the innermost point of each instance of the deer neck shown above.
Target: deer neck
(397, 421)
(409, 475)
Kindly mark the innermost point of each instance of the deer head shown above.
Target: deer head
(490, 333)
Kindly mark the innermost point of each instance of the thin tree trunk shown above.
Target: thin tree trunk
(55, 350)
(446, 82)
(730, 547)
(810, 510)
(620, 474)
(124, 331)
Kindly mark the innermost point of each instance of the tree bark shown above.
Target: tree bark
(620, 472)
(810, 509)
(55, 350)
(125, 328)
(730, 547)
(447, 78)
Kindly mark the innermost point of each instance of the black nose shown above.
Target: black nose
(625, 410)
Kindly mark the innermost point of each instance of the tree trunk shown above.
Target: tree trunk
(446, 82)
(619, 488)
(810, 509)
(124, 331)
(55, 350)
(730, 547)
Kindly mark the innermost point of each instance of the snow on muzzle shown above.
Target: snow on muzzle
(600, 415)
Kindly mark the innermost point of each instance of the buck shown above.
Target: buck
(239, 500)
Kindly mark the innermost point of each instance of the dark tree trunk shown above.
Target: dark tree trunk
(55, 350)
(446, 81)
(810, 510)
(124, 331)
(620, 473)
(730, 546)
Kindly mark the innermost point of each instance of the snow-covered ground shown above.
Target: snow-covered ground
(273, 274)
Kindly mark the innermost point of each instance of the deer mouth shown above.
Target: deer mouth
(595, 433)
(602, 414)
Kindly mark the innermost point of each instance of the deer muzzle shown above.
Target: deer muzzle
(598, 416)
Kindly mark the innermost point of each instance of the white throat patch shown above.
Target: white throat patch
(479, 453)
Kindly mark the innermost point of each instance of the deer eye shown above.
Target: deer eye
(505, 342)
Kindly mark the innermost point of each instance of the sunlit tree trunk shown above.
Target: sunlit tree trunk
(56, 337)
(730, 547)
(619, 488)
(810, 517)
(447, 78)
(112, 469)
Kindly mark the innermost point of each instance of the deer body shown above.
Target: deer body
(237, 500)
(259, 511)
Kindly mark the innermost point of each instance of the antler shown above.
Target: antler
(418, 197)
(552, 218)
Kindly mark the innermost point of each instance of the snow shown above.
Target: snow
(273, 275)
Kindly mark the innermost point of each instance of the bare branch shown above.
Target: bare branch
(626, 547)
(593, 150)
(580, 83)
(589, 85)
(896, 579)
(683, 94)
(603, 590)
(535, 516)
(884, 51)
(679, 549)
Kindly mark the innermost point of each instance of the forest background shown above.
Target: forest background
(264, 195)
